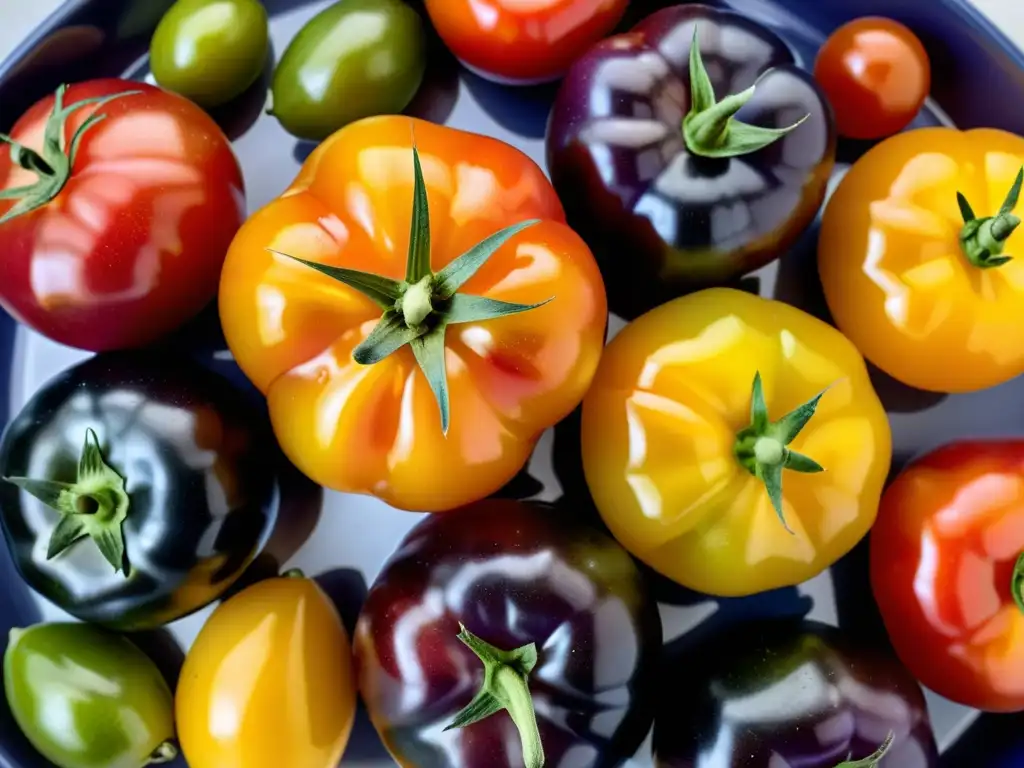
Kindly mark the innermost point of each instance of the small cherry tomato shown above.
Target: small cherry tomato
(523, 41)
(876, 74)
(268, 682)
(947, 571)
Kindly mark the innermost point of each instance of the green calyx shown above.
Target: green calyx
(710, 128)
(418, 309)
(872, 760)
(53, 165)
(505, 686)
(983, 240)
(95, 505)
(762, 447)
(165, 753)
(1017, 582)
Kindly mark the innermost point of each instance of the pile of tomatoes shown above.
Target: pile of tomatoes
(420, 304)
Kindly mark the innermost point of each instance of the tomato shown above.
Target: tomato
(876, 74)
(523, 41)
(210, 51)
(913, 258)
(356, 58)
(116, 238)
(268, 682)
(87, 698)
(717, 484)
(948, 572)
(428, 390)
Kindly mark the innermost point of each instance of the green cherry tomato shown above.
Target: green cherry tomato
(88, 698)
(355, 59)
(210, 50)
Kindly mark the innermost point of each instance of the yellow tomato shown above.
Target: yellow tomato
(671, 442)
(919, 282)
(268, 682)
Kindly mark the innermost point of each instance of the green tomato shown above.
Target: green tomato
(87, 698)
(355, 59)
(210, 51)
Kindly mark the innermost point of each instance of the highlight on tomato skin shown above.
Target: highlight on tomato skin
(268, 681)
(947, 571)
(116, 238)
(414, 313)
(876, 74)
(522, 42)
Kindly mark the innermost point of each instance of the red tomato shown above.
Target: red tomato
(876, 74)
(523, 41)
(127, 241)
(949, 533)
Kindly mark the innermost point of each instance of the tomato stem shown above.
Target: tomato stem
(1017, 582)
(982, 240)
(872, 760)
(761, 448)
(293, 573)
(164, 753)
(505, 686)
(53, 165)
(418, 309)
(710, 128)
(95, 505)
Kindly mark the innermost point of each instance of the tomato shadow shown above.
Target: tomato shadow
(521, 109)
(237, 116)
(346, 587)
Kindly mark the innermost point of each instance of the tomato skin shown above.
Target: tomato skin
(132, 246)
(949, 531)
(660, 425)
(376, 429)
(876, 74)
(895, 275)
(523, 41)
(272, 669)
(85, 697)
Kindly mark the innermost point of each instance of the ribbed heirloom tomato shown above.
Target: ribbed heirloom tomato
(915, 257)
(705, 434)
(414, 351)
(523, 41)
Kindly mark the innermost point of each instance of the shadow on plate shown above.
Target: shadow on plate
(521, 109)
(161, 647)
(347, 589)
(238, 115)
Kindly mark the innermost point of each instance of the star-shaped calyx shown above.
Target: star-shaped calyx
(95, 505)
(418, 310)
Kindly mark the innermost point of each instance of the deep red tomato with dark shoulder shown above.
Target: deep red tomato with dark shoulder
(947, 570)
(117, 206)
(523, 41)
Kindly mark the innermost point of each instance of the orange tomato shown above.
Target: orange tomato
(876, 74)
(927, 297)
(376, 428)
(268, 682)
(523, 41)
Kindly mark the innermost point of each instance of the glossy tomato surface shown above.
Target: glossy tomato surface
(268, 682)
(523, 41)
(876, 74)
(88, 698)
(949, 533)
(376, 429)
(133, 244)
